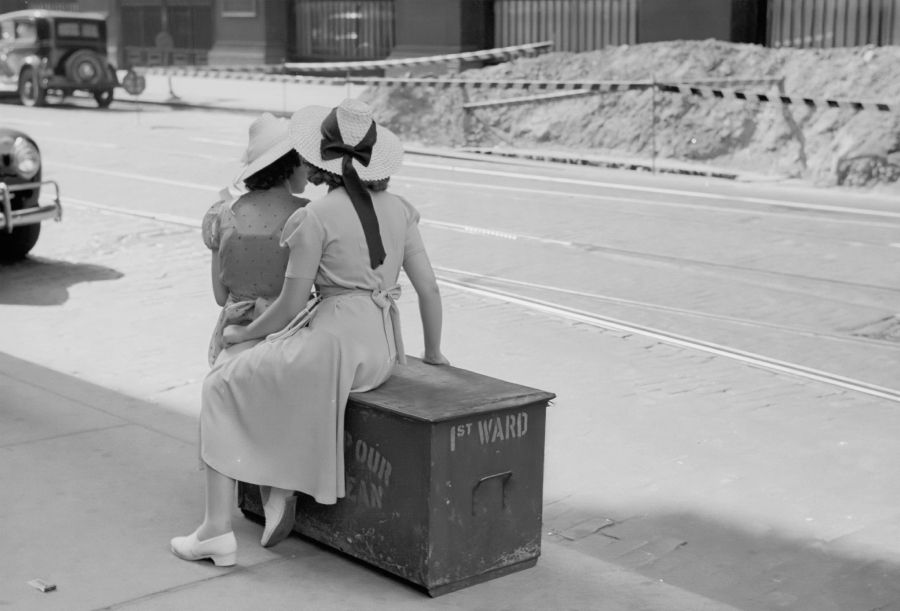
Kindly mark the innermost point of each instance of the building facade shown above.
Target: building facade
(188, 32)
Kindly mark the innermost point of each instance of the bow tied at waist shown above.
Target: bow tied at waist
(387, 301)
(333, 147)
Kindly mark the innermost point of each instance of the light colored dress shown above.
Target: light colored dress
(274, 414)
(252, 261)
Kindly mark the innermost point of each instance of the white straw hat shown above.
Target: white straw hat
(270, 139)
(354, 120)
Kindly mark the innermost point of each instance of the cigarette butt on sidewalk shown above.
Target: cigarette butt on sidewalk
(42, 585)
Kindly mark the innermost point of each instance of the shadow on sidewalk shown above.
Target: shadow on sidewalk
(45, 282)
(752, 570)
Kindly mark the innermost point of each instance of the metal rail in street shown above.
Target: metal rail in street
(613, 324)
(662, 308)
(596, 320)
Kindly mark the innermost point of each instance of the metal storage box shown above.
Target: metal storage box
(444, 483)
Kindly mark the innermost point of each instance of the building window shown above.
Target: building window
(238, 8)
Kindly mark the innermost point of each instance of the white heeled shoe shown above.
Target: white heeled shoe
(222, 549)
(279, 507)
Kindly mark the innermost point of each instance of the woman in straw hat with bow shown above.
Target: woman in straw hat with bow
(244, 233)
(274, 414)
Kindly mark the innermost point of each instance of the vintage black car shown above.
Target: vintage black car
(57, 51)
(21, 212)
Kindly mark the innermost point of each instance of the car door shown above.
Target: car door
(25, 44)
(7, 41)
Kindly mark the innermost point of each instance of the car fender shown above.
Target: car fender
(31, 61)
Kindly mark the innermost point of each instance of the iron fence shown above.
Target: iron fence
(572, 25)
(833, 23)
(344, 30)
(190, 27)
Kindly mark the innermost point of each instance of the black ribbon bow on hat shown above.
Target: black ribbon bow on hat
(333, 147)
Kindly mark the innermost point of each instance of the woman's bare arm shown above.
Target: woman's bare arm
(293, 298)
(219, 290)
(418, 268)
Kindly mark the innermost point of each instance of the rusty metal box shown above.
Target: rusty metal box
(444, 483)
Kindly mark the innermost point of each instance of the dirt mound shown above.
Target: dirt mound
(830, 146)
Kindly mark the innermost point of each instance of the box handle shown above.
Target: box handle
(505, 475)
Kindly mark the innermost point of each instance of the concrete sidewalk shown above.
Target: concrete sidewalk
(673, 480)
(95, 483)
(238, 95)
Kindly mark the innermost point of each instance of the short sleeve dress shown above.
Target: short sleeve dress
(274, 414)
(246, 236)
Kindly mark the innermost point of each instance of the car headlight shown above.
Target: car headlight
(25, 158)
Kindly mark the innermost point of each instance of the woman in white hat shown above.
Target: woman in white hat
(274, 414)
(244, 233)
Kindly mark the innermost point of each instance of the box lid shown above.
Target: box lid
(433, 394)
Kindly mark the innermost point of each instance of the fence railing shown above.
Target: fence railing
(572, 25)
(344, 30)
(833, 23)
(190, 29)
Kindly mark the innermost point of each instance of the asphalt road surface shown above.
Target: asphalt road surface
(805, 276)
(725, 354)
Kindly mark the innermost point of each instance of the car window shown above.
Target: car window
(25, 31)
(7, 31)
(77, 29)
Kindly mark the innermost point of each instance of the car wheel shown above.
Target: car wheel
(86, 68)
(104, 98)
(30, 91)
(14, 246)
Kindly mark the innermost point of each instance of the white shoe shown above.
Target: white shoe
(222, 549)
(279, 507)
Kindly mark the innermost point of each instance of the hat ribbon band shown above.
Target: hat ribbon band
(333, 147)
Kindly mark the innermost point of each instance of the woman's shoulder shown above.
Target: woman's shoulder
(303, 220)
(412, 215)
(211, 225)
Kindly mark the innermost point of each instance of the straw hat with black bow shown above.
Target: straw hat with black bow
(354, 120)
(270, 140)
(347, 141)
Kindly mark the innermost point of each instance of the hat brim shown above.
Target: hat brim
(275, 152)
(306, 137)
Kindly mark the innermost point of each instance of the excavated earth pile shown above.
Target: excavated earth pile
(830, 146)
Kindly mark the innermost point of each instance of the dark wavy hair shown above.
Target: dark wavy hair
(318, 176)
(275, 173)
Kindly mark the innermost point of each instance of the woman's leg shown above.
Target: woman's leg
(219, 505)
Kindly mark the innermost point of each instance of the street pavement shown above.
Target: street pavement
(674, 479)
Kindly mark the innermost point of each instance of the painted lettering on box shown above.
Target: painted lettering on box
(373, 474)
(492, 429)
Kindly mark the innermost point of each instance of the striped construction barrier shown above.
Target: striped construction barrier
(731, 94)
(257, 71)
(502, 53)
(535, 86)
(729, 82)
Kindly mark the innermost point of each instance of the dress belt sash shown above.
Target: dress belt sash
(384, 299)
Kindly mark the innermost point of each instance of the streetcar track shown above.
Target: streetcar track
(662, 191)
(478, 231)
(592, 319)
(663, 308)
(613, 324)
(132, 176)
(557, 195)
(587, 247)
